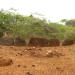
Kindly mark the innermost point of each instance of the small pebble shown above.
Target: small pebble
(28, 73)
(24, 66)
(33, 65)
(19, 65)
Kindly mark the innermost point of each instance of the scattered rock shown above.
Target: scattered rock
(33, 47)
(29, 48)
(53, 54)
(49, 54)
(59, 69)
(33, 65)
(19, 65)
(24, 66)
(20, 54)
(5, 62)
(28, 73)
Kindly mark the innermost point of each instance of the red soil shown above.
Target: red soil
(38, 60)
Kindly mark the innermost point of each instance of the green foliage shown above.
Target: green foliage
(70, 33)
(70, 22)
(29, 26)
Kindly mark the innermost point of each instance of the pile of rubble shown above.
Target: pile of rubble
(53, 54)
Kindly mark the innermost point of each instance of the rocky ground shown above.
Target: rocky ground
(22, 60)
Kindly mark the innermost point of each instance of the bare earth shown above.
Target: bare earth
(37, 61)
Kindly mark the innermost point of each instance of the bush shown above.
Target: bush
(27, 27)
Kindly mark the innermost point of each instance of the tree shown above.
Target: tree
(70, 22)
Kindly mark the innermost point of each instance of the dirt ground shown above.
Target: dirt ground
(38, 60)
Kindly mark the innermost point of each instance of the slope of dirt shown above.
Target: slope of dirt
(38, 60)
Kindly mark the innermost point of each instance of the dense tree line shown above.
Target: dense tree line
(28, 26)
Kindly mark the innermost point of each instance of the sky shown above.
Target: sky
(53, 10)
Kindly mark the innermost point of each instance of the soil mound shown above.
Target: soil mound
(5, 61)
(67, 42)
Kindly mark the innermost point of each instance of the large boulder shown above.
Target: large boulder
(38, 42)
(54, 42)
(67, 42)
